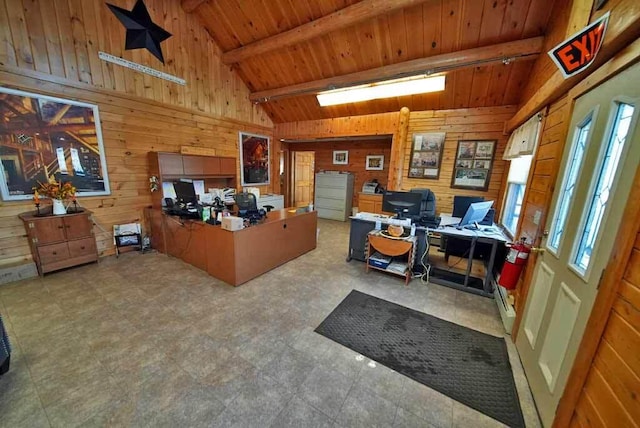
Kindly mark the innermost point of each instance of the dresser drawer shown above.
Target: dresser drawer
(82, 247)
(53, 253)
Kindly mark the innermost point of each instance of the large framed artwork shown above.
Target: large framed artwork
(254, 158)
(426, 155)
(41, 137)
(472, 168)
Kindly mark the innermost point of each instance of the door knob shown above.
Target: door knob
(537, 250)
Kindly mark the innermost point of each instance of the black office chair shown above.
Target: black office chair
(428, 205)
(246, 202)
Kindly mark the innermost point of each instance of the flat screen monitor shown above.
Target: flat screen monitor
(461, 204)
(185, 192)
(475, 213)
(402, 203)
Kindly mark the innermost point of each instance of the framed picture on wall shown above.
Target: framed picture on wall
(472, 167)
(426, 155)
(45, 137)
(341, 157)
(375, 163)
(254, 158)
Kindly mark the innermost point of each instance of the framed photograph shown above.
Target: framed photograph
(341, 157)
(254, 158)
(472, 167)
(426, 155)
(43, 136)
(375, 163)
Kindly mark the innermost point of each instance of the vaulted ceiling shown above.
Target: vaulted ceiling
(329, 43)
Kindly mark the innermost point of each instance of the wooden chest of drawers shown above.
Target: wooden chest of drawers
(60, 241)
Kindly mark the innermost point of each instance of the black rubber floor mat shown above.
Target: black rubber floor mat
(468, 366)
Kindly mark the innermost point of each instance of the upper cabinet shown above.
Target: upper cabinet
(170, 163)
(177, 165)
(216, 171)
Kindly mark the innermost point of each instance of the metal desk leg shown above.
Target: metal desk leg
(470, 261)
(487, 286)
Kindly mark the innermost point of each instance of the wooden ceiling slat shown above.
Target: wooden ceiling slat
(517, 80)
(495, 88)
(515, 17)
(538, 17)
(479, 86)
(361, 11)
(492, 19)
(389, 39)
(469, 32)
(432, 28)
(452, 23)
(414, 28)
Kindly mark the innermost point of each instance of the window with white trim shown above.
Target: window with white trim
(581, 139)
(605, 179)
(516, 185)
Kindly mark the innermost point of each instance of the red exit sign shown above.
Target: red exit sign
(578, 52)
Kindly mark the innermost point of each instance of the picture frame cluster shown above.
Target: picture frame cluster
(473, 164)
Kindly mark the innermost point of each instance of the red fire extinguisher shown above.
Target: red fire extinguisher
(514, 263)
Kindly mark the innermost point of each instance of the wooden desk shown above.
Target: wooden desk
(237, 257)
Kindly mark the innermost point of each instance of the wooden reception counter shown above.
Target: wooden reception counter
(235, 257)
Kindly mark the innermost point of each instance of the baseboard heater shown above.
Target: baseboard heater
(507, 313)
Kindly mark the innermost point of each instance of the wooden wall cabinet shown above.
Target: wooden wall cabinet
(60, 241)
(216, 171)
(370, 203)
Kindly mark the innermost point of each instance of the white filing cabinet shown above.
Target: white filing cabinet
(276, 201)
(334, 193)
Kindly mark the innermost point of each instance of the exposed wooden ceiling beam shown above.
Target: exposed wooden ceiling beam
(191, 5)
(527, 49)
(362, 11)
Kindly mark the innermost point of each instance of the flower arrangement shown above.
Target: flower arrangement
(55, 190)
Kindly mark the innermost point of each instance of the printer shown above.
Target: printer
(371, 187)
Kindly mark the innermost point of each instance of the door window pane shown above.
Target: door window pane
(569, 184)
(606, 175)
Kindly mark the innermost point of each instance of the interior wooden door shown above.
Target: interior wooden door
(304, 163)
(588, 201)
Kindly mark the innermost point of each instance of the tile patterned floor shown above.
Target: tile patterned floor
(146, 340)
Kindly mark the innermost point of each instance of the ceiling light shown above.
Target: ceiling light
(378, 90)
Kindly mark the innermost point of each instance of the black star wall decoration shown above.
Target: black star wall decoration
(141, 31)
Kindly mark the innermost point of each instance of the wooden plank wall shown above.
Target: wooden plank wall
(611, 391)
(485, 123)
(372, 124)
(358, 152)
(62, 38)
(51, 47)
(130, 129)
(459, 124)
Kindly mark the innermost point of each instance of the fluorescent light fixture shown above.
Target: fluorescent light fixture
(387, 89)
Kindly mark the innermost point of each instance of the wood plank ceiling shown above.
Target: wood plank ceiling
(424, 29)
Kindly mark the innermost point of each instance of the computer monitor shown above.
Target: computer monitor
(461, 204)
(185, 192)
(402, 203)
(476, 213)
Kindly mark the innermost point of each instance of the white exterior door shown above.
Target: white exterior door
(599, 162)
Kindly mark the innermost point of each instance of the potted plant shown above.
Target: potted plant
(57, 191)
